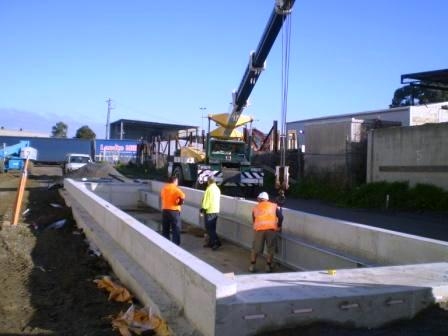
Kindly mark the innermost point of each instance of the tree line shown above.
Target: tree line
(60, 131)
(417, 95)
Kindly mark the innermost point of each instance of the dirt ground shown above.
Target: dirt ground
(47, 273)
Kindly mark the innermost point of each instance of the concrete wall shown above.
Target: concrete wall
(397, 114)
(195, 285)
(416, 154)
(342, 242)
(249, 304)
(328, 149)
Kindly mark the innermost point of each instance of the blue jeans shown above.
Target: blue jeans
(210, 221)
(171, 222)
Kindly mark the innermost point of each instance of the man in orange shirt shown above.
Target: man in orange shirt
(172, 197)
(267, 221)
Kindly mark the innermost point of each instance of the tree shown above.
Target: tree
(59, 130)
(85, 132)
(417, 95)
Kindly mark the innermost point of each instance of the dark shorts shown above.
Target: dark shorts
(266, 236)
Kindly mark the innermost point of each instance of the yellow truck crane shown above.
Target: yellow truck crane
(227, 154)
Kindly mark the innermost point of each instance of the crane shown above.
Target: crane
(228, 155)
(257, 61)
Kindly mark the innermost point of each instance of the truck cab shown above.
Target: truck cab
(74, 161)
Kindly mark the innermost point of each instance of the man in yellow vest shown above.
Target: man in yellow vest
(210, 209)
(267, 222)
(172, 197)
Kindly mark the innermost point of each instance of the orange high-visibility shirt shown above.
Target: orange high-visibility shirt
(170, 195)
(265, 217)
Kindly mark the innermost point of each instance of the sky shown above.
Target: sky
(177, 61)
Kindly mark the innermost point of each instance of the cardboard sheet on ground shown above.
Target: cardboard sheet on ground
(136, 321)
(117, 292)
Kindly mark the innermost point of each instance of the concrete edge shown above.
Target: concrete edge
(130, 273)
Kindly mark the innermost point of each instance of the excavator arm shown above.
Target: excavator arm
(257, 60)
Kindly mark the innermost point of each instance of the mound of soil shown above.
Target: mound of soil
(98, 170)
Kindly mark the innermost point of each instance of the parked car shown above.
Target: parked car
(74, 161)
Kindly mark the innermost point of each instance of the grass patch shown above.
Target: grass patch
(377, 195)
(325, 189)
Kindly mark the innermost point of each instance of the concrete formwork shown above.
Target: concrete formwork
(214, 304)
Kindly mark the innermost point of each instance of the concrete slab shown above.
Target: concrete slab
(230, 258)
(356, 297)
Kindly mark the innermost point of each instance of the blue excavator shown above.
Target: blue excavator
(13, 157)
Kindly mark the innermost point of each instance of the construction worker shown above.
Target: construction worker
(210, 210)
(267, 222)
(172, 197)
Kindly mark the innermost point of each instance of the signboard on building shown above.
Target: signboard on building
(115, 151)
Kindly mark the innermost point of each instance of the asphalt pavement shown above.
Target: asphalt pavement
(425, 224)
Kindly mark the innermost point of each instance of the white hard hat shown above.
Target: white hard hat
(264, 196)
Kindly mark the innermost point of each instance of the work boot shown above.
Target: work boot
(252, 268)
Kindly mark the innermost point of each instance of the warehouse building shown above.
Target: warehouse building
(146, 130)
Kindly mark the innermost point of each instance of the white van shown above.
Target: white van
(75, 161)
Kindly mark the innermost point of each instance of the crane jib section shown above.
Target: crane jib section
(258, 57)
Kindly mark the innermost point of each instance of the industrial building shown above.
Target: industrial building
(337, 145)
(22, 133)
(146, 130)
(402, 116)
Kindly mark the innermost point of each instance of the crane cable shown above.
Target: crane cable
(286, 42)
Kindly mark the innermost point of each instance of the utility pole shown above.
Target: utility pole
(109, 108)
(202, 116)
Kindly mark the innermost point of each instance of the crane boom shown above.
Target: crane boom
(257, 60)
(228, 152)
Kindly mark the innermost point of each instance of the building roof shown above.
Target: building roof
(352, 115)
(151, 124)
(437, 79)
(24, 133)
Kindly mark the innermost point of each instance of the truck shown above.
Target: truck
(227, 151)
(13, 157)
(75, 161)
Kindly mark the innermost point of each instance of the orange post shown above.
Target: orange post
(20, 191)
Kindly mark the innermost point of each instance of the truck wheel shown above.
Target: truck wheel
(177, 171)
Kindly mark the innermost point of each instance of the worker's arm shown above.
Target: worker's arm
(180, 197)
